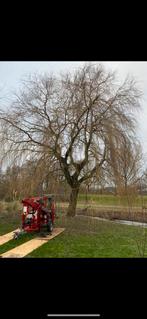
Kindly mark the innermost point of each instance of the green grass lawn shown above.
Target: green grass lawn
(86, 238)
(82, 237)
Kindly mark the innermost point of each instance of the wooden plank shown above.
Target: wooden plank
(29, 246)
(7, 237)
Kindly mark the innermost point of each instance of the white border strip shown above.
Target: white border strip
(73, 315)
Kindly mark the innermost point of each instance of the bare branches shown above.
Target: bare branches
(77, 118)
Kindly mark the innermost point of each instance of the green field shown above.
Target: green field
(83, 237)
(112, 200)
(94, 240)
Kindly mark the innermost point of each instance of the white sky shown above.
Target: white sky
(12, 72)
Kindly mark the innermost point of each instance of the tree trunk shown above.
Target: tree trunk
(73, 202)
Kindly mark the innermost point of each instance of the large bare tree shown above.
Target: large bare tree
(76, 119)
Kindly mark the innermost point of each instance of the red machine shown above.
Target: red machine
(38, 214)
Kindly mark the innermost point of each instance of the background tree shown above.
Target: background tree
(126, 168)
(77, 120)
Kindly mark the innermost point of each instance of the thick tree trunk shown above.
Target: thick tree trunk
(73, 202)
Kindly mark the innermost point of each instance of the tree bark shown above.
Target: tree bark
(73, 202)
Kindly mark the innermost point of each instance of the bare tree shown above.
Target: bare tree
(76, 119)
(126, 167)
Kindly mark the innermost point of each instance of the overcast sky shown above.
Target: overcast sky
(12, 72)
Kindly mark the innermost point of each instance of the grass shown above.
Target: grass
(112, 200)
(90, 239)
(83, 237)
(8, 223)
(9, 207)
(14, 243)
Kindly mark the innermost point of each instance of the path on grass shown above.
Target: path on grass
(29, 246)
(5, 238)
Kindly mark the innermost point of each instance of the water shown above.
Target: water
(129, 222)
(117, 221)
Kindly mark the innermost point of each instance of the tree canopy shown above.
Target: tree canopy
(77, 120)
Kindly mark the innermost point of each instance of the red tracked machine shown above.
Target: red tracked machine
(38, 215)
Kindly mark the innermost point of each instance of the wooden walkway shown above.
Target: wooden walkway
(29, 246)
(6, 237)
